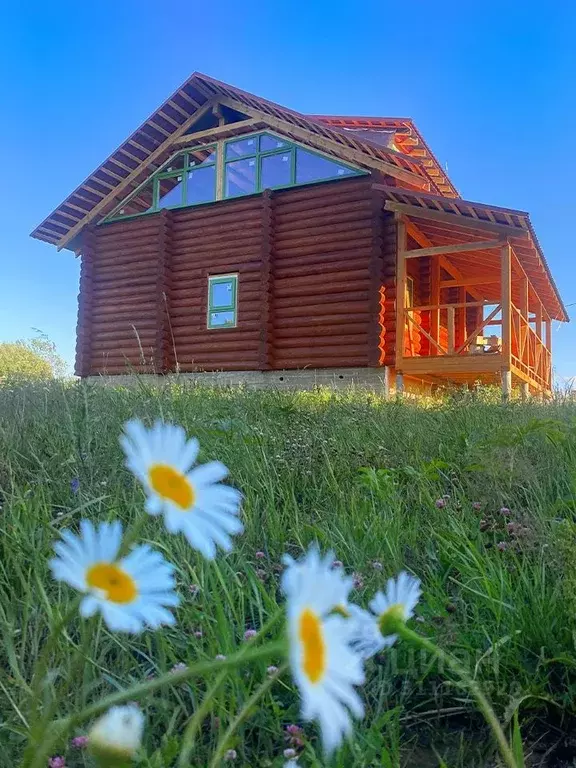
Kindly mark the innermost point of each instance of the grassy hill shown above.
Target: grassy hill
(362, 477)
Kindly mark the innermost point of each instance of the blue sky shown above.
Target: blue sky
(490, 85)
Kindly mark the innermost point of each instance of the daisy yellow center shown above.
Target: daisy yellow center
(117, 585)
(391, 619)
(172, 484)
(314, 648)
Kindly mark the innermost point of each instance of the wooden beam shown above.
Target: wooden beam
(329, 145)
(506, 288)
(468, 281)
(459, 221)
(439, 250)
(400, 292)
(435, 285)
(216, 133)
(65, 239)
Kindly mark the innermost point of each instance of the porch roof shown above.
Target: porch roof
(445, 221)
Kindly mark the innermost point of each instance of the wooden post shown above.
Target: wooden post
(386, 381)
(461, 332)
(400, 293)
(525, 390)
(266, 341)
(399, 383)
(435, 301)
(506, 293)
(451, 330)
(506, 384)
(539, 319)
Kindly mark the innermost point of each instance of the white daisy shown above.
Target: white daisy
(324, 667)
(117, 735)
(193, 501)
(130, 593)
(372, 632)
(320, 569)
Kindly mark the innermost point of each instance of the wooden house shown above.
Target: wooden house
(231, 234)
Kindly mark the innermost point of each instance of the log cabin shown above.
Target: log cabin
(231, 236)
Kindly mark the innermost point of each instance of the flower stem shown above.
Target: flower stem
(196, 719)
(242, 715)
(60, 728)
(460, 671)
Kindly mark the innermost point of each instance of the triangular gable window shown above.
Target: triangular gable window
(248, 165)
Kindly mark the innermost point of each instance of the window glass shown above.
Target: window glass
(310, 167)
(176, 164)
(140, 203)
(222, 294)
(202, 156)
(201, 187)
(222, 301)
(276, 170)
(241, 148)
(222, 319)
(240, 177)
(269, 143)
(170, 191)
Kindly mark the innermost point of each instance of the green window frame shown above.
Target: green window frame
(259, 154)
(218, 307)
(189, 166)
(266, 144)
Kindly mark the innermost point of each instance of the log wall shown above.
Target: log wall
(323, 244)
(315, 265)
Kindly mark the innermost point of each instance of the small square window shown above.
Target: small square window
(222, 301)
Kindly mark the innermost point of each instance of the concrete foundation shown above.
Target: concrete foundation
(372, 379)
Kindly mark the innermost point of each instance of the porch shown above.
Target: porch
(474, 301)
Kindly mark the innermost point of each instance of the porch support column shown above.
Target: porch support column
(506, 294)
(525, 390)
(400, 302)
(434, 301)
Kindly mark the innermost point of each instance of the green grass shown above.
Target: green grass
(360, 476)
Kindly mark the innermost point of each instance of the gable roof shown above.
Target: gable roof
(148, 147)
(407, 138)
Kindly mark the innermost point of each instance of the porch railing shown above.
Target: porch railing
(529, 351)
(438, 325)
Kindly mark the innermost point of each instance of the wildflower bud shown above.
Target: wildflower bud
(337, 564)
(440, 503)
(220, 657)
(116, 737)
(79, 742)
(392, 620)
(259, 555)
(249, 634)
(377, 565)
(230, 755)
(502, 546)
(505, 511)
(289, 753)
(56, 762)
(198, 634)
(477, 505)
(194, 589)
(272, 669)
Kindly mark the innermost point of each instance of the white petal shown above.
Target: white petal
(153, 504)
(89, 606)
(188, 455)
(206, 474)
